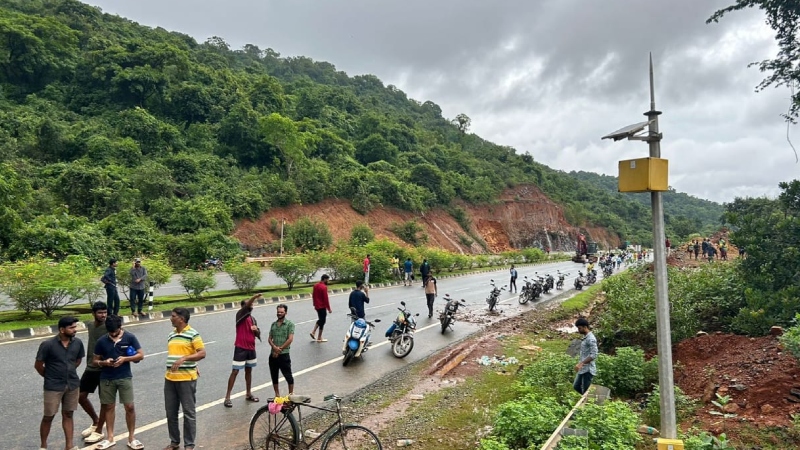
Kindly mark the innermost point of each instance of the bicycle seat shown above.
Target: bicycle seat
(299, 398)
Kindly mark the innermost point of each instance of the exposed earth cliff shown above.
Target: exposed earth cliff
(522, 217)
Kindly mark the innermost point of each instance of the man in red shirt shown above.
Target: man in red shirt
(366, 271)
(322, 305)
(244, 350)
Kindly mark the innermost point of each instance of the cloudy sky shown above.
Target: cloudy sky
(548, 77)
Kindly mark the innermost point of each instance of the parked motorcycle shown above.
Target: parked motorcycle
(401, 333)
(448, 317)
(526, 293)
(549, 283)
(356, 340)
(580, 282)
(591, 277)
(560, 282)
(212, 264)
(494, 295)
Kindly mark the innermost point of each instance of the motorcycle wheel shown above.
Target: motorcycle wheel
(523, 298)
(348, 356)
(402, 346)
(445, 323)
(492, 304)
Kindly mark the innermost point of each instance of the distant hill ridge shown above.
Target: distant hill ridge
(120, 139)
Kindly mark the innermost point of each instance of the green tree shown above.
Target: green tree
(292, 269)
(361, 234)
(307, 235)
(282, 133)
(245, 276)
(197, 282)
(46, 285)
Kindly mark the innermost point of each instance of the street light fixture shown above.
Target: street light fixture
(656, 169)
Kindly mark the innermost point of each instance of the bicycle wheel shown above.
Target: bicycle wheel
(273, 432)
(352, 437)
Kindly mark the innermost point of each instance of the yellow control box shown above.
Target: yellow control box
(643, 175)
(669, 444)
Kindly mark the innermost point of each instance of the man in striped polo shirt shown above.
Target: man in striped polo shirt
(184, 348)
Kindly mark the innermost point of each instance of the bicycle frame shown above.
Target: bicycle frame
(338, 423)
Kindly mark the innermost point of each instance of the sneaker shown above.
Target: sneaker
(93, 438)
(88, 431)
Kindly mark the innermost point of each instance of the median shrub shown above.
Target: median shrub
(197, 282)
(245, 276)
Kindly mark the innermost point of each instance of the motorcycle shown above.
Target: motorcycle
(401, 333)
(560, 282)
(212, 264)
(525, 294)
(537, 287)
(448, 317)
(580, 282)
(591, 277)
(549, 282)
(356, 340)
(608, 270)
(493, 296)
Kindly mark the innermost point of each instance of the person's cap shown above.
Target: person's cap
(137, 260)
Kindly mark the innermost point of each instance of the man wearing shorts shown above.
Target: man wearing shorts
(114, 353)
(322, 305)
(408, 269)
(281, 335)
(244, 350)
(57, 362)
(91, 376)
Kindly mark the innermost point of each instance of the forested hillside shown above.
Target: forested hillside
(119, 139)
(683, 213)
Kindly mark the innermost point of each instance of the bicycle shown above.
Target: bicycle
(282, 431)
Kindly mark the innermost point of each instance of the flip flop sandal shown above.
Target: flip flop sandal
(135, 445)
(105, 444)
(322, 340)
(252, 399)
(228, 404)
(313, 339)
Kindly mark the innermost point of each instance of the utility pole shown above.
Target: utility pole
(663, 332)
(283, 222)
(650, 175)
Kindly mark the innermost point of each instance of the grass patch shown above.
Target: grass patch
(555, 345)
(577, 303)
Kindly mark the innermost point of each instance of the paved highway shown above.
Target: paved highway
(317, 366)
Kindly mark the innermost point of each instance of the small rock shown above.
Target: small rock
(766, 409)
(701, 333)
(416, 397)
(731, 408)
(739, 387)
(723, 390)
(776, 331)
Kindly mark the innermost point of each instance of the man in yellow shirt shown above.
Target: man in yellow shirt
(184, 348)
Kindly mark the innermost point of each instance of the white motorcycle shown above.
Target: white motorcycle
(356, 340)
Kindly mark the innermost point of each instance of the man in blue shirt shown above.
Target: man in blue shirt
(586, 367)
(358, 298)
(114, 353)
(408, 269)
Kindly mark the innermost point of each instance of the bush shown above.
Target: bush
(196, 282)
(306, 235)
(791, 338)
(44, 285)
(529, 421)
(345, 267)
(533, 255)
(245, 276)
(611, 425)
(361, 234)
(684, 407)
(410, 232)
(550, 374)
(623, 373)
(292, 269)
(438, 259)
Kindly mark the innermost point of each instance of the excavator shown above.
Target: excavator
(585, 252)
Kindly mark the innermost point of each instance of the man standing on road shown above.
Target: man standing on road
(430, 294)
(366, 270)
(512, 286)
(358, 298)
(281, 335)
(408, 271)
(396, 269)
(184, 348)
(138, 277)
(114, 353)
(323, 306)
(57, 362)
(90, 379)
(425, 270)
(244, 350)
(586, 367)
(109, 281)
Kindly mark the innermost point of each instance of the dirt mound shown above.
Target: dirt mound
(755, 373)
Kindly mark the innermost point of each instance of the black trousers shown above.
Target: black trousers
(282, 363)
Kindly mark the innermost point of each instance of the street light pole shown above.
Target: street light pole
(664, 336)
(283, 222)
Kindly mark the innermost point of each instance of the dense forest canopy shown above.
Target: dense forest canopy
(120, 139)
